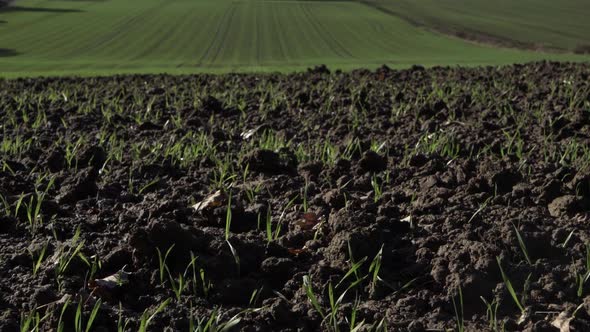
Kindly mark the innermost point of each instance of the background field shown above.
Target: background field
(562, 25)
(42, 37)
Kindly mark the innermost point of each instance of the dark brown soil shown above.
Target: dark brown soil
(441, 169)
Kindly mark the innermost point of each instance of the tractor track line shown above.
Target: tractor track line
(220, 33)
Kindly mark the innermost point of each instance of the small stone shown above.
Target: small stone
(43, 295)
(504, 181)
(277, 266)
(418, 160)
(373, 162)
(334, 198)
(563, 205)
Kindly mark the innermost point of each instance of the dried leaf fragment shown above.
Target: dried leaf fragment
(407, 219)
(296, 251)
(113, 281)
(562, 322)
(214, 200)
(309, 221)
(248, 133)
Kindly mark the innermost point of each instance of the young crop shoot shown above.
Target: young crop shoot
(378, 185)
(459, 313)
(522, 246)
(308, 287)
(304, 195)
(582, 278)
(38, 259)
(510, 288)
(65, 254)
(270, 234)
(480, 209)
(147, 317)
(213, 323)
(79, 325)
(31, 321)
(178, 284)
(335, 304)
(228, 219)
(235, 255)
(162, 266)
(375, 267)
(492, 314)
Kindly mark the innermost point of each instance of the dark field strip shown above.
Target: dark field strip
(527, 24)
(420, 199)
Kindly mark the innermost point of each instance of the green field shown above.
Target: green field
(552, 24)
(53, 37)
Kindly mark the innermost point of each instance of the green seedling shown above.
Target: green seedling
(228, 216)
(72, 150)
(245, 173)
(270, 235)
(271, 141)
(162, 262)
(79, 319)
(213, 323)
(492, 314)
(352, 321)
(147, 186)
(319, 228)
(567, 239)
(223, 175)
(198, 278)
(38, 261)
(206, 285)
(252, 192)
(180, 284)
(334, 307)
(514, 144)
(581, 279)
(95, 265)
(305, 205)
(522, 246)
(5, 206)
(375, 267)
(6, 167)
(269, 226)
(274, 235)
(147, 317)
(65, 256)
(354, 270)
(380, 326)
(526, 288)
(60, 322)
(121, 325)
(377, 188)
(235, 255)
(255, 297)
(31, 321)
(33, 207)
(14, 147)
(459, 316)
(193, 266)
(308, 287)
(480, 209)
(510, 288)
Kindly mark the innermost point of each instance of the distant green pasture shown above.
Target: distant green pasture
(52, 37)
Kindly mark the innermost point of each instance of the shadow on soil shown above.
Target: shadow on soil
(11, 9)
(7, 52)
